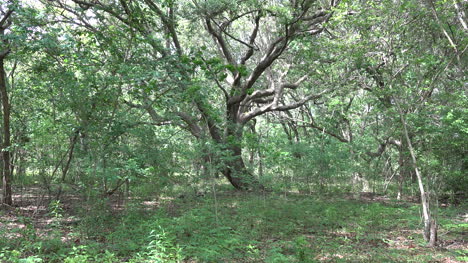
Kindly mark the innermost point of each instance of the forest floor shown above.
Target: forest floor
(228, 226)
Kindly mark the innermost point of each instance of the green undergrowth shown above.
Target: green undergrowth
(237, 228)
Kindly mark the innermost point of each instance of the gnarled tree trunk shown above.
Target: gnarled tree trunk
(235, 169)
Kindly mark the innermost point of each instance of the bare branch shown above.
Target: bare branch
(162, 123)
(220, 41)
(397, 143)
(253, 36)
(263, 100)
(277, 47)
(102, 7)
(126, 8)
(452, 43)
(234, 38)
(153, 114)
(273, 106)
(277, 91)
(75, 20)
(295, 84)
(227, 23)
(301, 102)
(259, 94)
(312, 124)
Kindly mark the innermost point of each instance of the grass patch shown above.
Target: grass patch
(236, 228)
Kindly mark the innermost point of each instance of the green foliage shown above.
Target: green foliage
(122, 102)
(253, 227)
(55, 209)
(161, 248)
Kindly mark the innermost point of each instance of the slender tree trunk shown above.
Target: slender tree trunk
(430, 226)
(7, 178)
(67, 164)
(5, 22)
(402, 174)
(260, 162)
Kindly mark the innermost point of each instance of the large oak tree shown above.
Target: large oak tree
(230, 68)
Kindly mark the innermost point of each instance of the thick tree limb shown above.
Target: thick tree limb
(211, 123)
(158, 120)
(100, 6)
(270, 95)
(4, 22)
(259, 94)
(153, 114)
(274, 50)
(193, 127)
(245, 117)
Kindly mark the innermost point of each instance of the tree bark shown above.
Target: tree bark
(234, 167)
(7, 178)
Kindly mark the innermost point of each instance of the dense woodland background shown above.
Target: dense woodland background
(233, 131)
